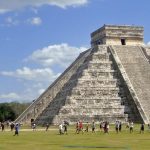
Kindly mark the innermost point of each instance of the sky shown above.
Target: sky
(39, 39)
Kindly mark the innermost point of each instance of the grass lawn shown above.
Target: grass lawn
(51, 140)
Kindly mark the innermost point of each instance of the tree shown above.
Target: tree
(6, 112)
(10, 111)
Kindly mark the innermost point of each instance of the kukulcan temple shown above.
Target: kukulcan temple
(110, 81)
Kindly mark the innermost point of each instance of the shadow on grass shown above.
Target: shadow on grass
(98, 147)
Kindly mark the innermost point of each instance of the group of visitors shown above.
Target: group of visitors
(63, 128)
(103, 126)
(12, 126)
(130, 125)
(80, 127)
(118, 126)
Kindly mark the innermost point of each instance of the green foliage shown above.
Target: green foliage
(18, 108)
(10, 111)
(6, 112)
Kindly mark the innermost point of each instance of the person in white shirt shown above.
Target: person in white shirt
(61, 129)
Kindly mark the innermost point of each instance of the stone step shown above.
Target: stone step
(99, 62)
(94, 91)
(104, 69)
(96, 65)
(99, 80)
(100, 48)
(107, 73)
(104, 75)
(105, 53)
(88, 100)
(92, 106)
(97, 102)
(96, 98)
(72, 119)
(84, 83)
(98, 83)
(87, 111)
(99, 71)
(96, 88)
(99, 56)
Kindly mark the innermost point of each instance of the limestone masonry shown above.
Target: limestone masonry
(108, 82)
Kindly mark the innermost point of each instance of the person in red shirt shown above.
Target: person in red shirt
(81, 126)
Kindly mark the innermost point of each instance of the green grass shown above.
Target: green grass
(51, 140)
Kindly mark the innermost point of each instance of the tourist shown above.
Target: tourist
(142, 128)
(16, 129)
(2, 126)
(131, 127)
(47, 126)
(93, 127)
(127, 126)
(65, 127)
(120, 126)
(77, 127)
(148, 126)
(12, 125)
(117, 126)
(80, 127)
(87, 127)
(106, 127)
(34, 127)
(101, 126)
(61, 131)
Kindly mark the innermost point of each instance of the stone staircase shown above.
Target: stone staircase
(137, 69)
(92, 93)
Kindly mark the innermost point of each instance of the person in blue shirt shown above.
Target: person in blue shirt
(16, 129)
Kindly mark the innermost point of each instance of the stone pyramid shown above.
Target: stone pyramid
(108, 82)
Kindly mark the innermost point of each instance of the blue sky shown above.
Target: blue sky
(40, 38)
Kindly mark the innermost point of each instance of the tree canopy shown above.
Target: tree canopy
(10, 111)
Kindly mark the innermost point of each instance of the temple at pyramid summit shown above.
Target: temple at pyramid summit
(110, 81)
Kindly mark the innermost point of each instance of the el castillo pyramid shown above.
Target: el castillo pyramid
(108, 82)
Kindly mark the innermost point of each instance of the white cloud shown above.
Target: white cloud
(10, 21)
(44, 74)
(35, 81)
(148, 43)
(40, 91)
(35, 21)
(34, 10)
(6, 5)
(12, 96)
(61, 55)
(2, 11)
